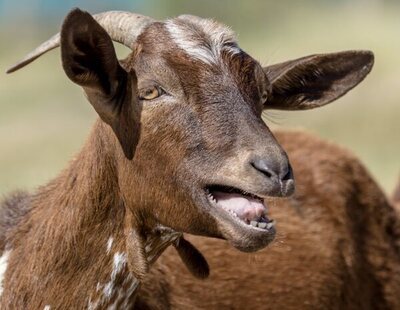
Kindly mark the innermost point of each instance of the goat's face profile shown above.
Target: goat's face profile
(192, 151)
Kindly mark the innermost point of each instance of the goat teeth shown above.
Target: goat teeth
(254, 223)
(262, 224)
(211, 197)
(270, 225)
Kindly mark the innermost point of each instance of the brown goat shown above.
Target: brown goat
(180, 146)
(337, 246)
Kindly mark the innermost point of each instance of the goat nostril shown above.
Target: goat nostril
(262, 166)
(282, 171)
(289, 174)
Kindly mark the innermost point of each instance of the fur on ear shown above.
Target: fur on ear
(192, 258)
(316, 80)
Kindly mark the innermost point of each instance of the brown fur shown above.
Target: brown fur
(335, 249)
(56, 233)
(12, 210)
(88, 237)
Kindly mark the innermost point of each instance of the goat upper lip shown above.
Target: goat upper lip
(245, 208)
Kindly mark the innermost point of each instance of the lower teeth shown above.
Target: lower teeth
(254, 223)
(262, 224)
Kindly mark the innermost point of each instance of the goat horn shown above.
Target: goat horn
(122, 27)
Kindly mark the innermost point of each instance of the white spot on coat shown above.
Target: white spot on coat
(3, 267)
(109, 244)
(123, 295)
(119, 263)
(47, 307)
(109, 290)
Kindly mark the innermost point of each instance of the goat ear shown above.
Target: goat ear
(89, 60)
(316, 80)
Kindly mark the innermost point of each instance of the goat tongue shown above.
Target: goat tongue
(245, 207)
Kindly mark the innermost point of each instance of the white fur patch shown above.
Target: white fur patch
(109, 289)
(119, 264)
(47, 307)
(203, 39)
(109, 244)
(123, 295)
(3, 267)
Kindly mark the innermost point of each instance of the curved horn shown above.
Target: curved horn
(122, 27)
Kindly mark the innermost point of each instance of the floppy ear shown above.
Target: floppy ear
(316, 80)
(89, 60)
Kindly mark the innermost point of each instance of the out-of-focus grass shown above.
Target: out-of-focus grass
(44, 118)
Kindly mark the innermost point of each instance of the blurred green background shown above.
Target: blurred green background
(44, 118)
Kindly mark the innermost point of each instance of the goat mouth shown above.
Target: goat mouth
(245, 208)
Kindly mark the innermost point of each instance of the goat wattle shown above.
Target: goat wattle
(246, 208)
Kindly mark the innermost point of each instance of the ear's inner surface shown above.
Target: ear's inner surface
(89, 60)
(316, 80)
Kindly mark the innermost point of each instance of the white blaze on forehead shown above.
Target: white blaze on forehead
(203, 39)
(3, 267)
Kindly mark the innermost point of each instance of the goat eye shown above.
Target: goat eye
(151, 93)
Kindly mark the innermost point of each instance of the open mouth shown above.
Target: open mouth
(246, 208)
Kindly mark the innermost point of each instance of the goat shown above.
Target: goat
(338, 246)
(179, 147)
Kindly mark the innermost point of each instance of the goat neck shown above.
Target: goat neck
(82, 237)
